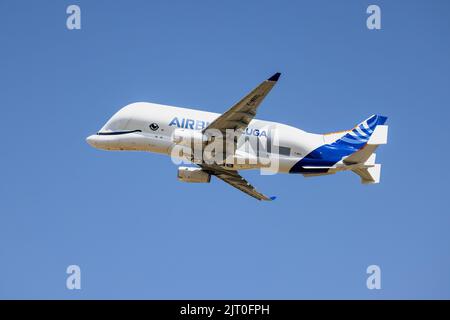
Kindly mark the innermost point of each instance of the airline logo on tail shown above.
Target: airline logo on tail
(360, 135)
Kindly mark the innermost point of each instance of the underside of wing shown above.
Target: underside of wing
(234, 179)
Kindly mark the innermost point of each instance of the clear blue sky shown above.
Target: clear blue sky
(136, 232)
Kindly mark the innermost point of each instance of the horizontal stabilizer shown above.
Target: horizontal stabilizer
(369, 175)
(308, 175)
(362, 155)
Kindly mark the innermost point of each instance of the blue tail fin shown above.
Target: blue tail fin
(359, 136)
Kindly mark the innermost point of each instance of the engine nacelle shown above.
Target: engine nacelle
(190, 174)
(187, 137)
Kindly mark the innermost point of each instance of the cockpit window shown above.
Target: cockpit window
(111, 133)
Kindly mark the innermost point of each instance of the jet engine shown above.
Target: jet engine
(190, 174)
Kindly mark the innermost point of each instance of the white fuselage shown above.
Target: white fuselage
(151, 127)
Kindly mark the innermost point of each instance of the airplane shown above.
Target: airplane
(162, 129)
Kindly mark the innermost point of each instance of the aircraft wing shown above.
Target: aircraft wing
(233, 178)
(239, 116)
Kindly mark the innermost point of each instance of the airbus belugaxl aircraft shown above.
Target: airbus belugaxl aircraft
(235, 141)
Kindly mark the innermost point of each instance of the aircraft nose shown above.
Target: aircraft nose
(91, 140)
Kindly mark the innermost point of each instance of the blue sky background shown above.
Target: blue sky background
(136, 232)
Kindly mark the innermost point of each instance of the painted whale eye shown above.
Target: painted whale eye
(154, 127)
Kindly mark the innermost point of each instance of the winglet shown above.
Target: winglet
(275, 77)
(272, 197)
